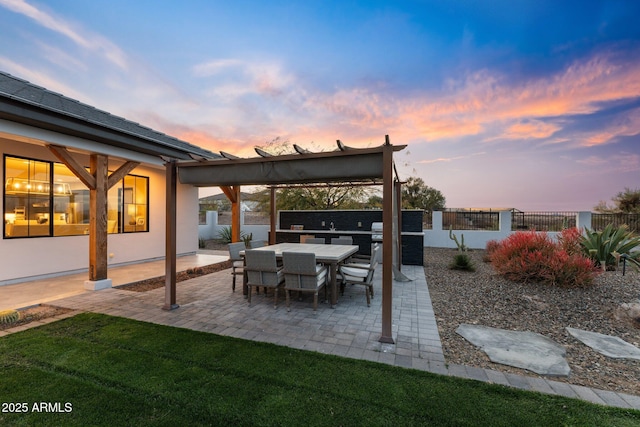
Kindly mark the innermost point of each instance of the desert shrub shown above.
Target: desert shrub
(605, 247)
(462, 261)
(533, 257)
(569, 270)
(570, 240)
(490, 247)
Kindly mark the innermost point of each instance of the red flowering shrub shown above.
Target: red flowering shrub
(569, 240)
(533, 257)
(490, 248)
(570, 270)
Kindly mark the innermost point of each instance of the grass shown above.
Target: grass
(116, 371)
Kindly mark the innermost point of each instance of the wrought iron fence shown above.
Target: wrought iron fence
(460, 219)
(542, 221)
(601, 220)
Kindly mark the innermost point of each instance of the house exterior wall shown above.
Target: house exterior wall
(23, 259)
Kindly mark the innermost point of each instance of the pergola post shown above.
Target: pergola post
(398, 207)
(233, 194)
(98, 221)
(235, 214)
(272, 216)
(170, 236)
(387, 241)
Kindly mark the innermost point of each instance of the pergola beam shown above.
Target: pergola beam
(121, 172)
(78, 170)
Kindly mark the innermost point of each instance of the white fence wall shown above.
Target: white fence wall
(437, 237)
(211, 230)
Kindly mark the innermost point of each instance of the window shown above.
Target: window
(70, 203)
(27, 196)
(46, 199)
(136, 196)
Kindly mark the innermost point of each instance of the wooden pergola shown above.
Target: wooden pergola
(230, 173)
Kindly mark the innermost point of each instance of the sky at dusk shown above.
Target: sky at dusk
(527, 104)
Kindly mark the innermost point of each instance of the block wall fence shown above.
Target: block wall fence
(436, 237)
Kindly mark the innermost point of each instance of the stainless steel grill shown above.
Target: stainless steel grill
(376, 232)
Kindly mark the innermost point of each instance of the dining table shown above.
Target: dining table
(330, 255)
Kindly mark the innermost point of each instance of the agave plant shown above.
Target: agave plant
(462, 262)
(225, 236)
(605, 247)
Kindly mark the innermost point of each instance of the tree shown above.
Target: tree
(627, 201)
(417, 195)
(374, 202)
(304, 197)
(314, 198)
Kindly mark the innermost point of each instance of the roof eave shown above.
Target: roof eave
(32, 115)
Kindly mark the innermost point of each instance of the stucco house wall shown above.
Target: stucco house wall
(31, 258)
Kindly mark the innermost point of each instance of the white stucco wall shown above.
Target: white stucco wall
(31, 258)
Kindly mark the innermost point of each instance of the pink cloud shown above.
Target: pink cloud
(449, 159)
(616, 163)
(530, 129)
(485, 101)
(627, 125)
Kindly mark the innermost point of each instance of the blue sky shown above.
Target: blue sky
(526, 104)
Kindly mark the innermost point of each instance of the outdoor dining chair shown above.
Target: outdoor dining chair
(361, 274)
(237, 263)
(263, 271)
(303, 274)
(315, 240)
(253, 244)
(342, 240)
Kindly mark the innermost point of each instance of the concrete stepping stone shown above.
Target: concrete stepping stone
(608, 345)
(526, 350)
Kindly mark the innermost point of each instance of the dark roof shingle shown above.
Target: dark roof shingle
(24, 92)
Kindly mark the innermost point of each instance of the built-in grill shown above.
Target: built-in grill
(376, 232)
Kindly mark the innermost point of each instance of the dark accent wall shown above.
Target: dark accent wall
(346, 223)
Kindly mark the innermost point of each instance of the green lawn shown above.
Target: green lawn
(114, 371)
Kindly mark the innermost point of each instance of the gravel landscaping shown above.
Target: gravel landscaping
(483, 298)
(33, 314)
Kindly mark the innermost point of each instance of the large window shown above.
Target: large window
(46, 199)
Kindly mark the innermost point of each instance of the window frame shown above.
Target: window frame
(120, 226)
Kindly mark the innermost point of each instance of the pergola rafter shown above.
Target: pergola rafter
(354, 165)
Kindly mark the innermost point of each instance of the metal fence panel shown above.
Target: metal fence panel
(471, 220)
(601, 220)
(542, 221)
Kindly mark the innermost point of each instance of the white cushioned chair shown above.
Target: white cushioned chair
(263, 271)
(303, 274)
